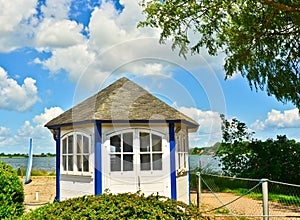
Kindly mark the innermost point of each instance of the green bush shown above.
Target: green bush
(121, 206)
(11, 193)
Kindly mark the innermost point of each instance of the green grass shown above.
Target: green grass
(22, 172)
(273, 197)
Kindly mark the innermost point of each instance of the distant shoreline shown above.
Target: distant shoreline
(26, 156)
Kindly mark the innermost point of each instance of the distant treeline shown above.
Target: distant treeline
(205, 150)
(26, 155)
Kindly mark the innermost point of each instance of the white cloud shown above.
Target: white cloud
(58, 9)
(48, 115)
(14, 96)
(210, 127)
(277, 119)
(14, 18)
(58, 33)
(74, 60)
(41, 136)
(13, 12)
(116, 44)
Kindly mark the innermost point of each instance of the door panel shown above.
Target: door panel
(136, 160)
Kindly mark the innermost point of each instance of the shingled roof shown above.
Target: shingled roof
(123, 100)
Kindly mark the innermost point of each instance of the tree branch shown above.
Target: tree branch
(281, 6)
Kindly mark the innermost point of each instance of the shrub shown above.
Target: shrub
(121, 206)
(11, 193)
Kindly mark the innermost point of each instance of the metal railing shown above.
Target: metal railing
(222, 196)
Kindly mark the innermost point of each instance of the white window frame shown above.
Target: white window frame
(151, 152)
(122, 152)
(182, 150)
(136, 152)
(87, 154)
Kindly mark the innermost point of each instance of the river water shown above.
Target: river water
(38, 163)
(205, 162)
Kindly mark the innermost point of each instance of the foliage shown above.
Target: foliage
(122, 206)
(11, 193)
(205, 150)
(277, 160)
(260, 38)
(280, 193)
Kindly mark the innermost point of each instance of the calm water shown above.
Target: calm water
(38, 163)
(207, 163)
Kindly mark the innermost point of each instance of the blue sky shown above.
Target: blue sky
(54, 54)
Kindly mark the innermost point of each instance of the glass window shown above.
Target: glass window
(121, 152)
(182, 150)
(115, 143)
(157, 161)
(64, 148)
(75, 153)
(115, 162)
(145, 162)
(156, 142)
(70, 144)
(128, 162)
(128, 142)
(150, 151)
(144, 142)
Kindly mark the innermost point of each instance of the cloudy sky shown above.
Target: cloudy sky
(56, 53)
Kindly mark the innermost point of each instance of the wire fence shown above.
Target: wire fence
(240, 198)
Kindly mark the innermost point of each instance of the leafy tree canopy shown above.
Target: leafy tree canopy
(260, 38)
(273, 159)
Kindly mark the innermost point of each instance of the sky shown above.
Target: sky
(56, 53)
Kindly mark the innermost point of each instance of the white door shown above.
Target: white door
(137, 160)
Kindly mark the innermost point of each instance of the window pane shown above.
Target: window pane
(157, 161)
(115, 162)
(115, 144)
(128, 142)
(127, 162)
(79, 144)
(64, 162)
(64, 147)
(177, 143)
(70, 144)
(144, 142)
(86, 163)
(86, 145)
(156, 143)
(70, 163)
(145, 162)
(79, 162)
(186, 147)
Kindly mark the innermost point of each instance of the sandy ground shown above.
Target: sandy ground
(244, 207)
(39, 192)
(42, 191)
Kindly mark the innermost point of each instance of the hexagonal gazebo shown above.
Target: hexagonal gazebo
(122, 139)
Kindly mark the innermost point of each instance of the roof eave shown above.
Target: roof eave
(192, 127)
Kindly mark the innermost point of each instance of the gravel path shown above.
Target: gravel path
(245, 206)
(45, 186)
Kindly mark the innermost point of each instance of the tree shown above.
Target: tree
(260, 38)
(234, 150)
(242, 156)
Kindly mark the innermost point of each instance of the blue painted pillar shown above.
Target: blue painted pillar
(57, 139)
(172, 160)
(98, 158)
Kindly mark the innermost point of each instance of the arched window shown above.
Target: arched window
(75, 154)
